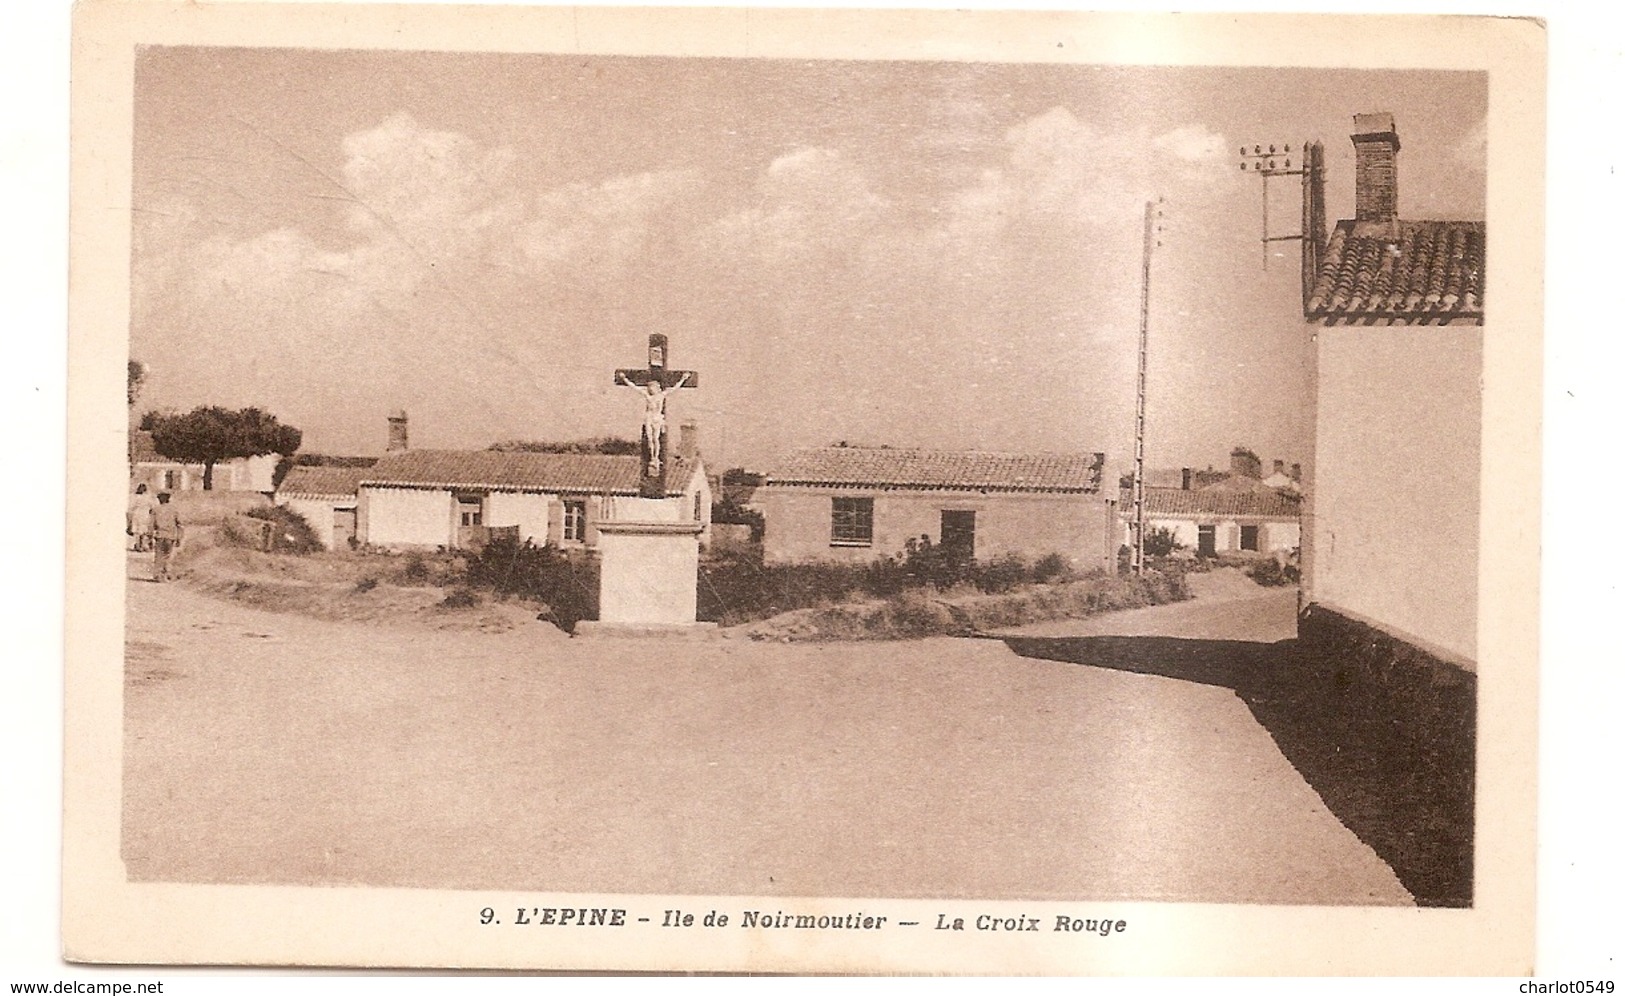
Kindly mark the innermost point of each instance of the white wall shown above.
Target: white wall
(407, 516)
(1396, 479)
(1273, 536)
(528, 511)
(316, 511)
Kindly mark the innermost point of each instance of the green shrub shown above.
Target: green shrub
(735, 588)
(567, 584)
(461, 597)
(1051, 567)
(1271, 573)
(290, 533)
(414, 572)
(1161, 541)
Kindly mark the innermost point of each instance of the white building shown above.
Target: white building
(1220, 519)
(1391, 520)
(160, 473)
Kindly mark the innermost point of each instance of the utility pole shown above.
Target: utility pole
(1265, 161)
(1137, 555)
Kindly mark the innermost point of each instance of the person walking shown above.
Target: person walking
(166, 537)
(138, 518)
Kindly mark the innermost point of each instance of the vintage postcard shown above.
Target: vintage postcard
(786, 491)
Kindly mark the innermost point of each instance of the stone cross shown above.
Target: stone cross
(654, 383)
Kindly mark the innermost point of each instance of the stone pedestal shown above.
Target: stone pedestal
(649, 573)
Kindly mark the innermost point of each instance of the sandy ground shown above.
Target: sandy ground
(274, 748)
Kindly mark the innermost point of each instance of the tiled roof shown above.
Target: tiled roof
(912, 469)
(1177, 502)
(503, 471)
(141, 449)
(1417, 271)
(323, 481)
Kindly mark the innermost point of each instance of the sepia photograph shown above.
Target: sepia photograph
(918, 491)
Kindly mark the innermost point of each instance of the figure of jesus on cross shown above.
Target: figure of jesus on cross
(653, 384)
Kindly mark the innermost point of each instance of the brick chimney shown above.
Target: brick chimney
(1245, 463)
(1376, 168)
(1184, 478)
(688, 439)
(397, 432)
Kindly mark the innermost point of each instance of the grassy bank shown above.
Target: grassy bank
(920, 613)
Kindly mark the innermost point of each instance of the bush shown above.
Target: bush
(918, 612)
(729, 512)
(1271, 573)
(461, 597)
(1161, 541)
(736, 588)
(415, 571)
(568, 585)
(365, 585)
(1051, 567)
(290, 533)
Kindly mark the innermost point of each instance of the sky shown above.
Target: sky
(910, 254)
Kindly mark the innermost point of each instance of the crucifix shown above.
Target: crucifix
(654, 384)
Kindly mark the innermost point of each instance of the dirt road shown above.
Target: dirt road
(273, 748)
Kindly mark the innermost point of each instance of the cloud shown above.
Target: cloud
(436, 246)
(1472, 151)
(1058, 166)
(809, 201)
(605, 223)
(436, 190)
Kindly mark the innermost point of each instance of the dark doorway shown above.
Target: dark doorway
(1207, 541)
(1249, 538)
(959, 533)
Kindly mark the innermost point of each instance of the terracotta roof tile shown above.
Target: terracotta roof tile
(1173, 502)
(1419, 271)
(954, 470)
(324, 481)
(503, 471)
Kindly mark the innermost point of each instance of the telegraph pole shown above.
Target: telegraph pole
(1265, 161)
(1137, 555)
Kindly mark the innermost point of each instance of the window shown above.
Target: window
(699, 507)
(959, 533)
(1249, 538)
(470, 510)
(852, 522)
(575, 521)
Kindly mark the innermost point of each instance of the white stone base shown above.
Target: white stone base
(593, 629)
(649, 573)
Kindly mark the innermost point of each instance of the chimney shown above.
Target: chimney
(1184, 479)
(1314, 217)
(1376, 168)
(397, 432)
(1245, 463)
(1280, 467)
(1297, 471)
(688, 439)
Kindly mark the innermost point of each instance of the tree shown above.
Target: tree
(136, 379)
(599, 445)
(209, 434)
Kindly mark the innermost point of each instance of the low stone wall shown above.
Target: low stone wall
(1387, 733)
(1429, 695)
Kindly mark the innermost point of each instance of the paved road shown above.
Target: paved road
(274, 748)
